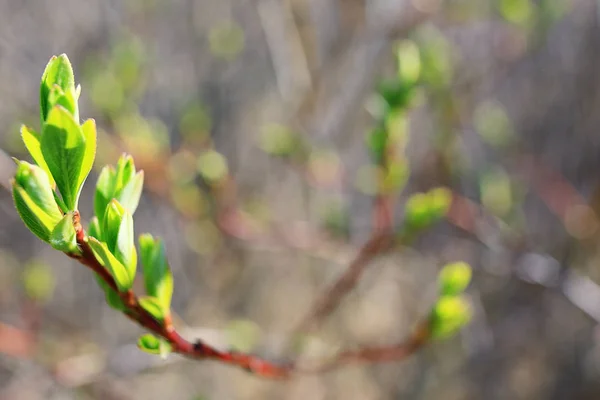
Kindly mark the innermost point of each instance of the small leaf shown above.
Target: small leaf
(36, 183)
(32, 143)
(440, 200)
(130, 194)
(89, 133)
(117, 270)
(158, 278)
(64, 148)
(154, 307)
(34, 200)
(105, 190)
(31, 215)
(454, 278)
(154, 345)
(212, 166)
(38, 281)
(112, 298)
(449, 315)
(94, 228)
(59, 72)
(58, 97)
(63, 237)
(117, 232)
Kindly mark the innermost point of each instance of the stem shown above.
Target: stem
(165, 329)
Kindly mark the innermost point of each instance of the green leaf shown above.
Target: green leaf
(105, 190)
(36, 183)
(112, 298)
(131, 193)
(449, 315)
(58, 72)
(417, 211)
(117, 270)
(118, 235)
(212, 166)
(154, 307)
(94, 228)
(67, 100)
(454, 278)
(64, 149)
(34, 200)
(440, 200)
(33, 145)
(154, 345)
(89, 134)
(158, 278)
(121, 183)
(63, 237)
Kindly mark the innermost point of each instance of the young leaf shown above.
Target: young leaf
(58, 72)
(63, 236)
(118, 235)
(154, 345)
(33, 217)
(112, 298)
(449, 315)
(131, 192)
(154, 307)
(58, 97)
(454, 278)
(158, 278)
(64, 148)
(94, 228)
(117, 270)
(32, 143)
(89, 134)
(34, 200)
(105, 190)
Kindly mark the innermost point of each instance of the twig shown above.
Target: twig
(165, 329)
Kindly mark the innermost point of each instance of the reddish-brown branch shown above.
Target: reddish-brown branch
(165, 329)
(419, 338)
(379, 243)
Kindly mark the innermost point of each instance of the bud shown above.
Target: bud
(34, 200)
(454, 278)
(449, 315)
(117, 232)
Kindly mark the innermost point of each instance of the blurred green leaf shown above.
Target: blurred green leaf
(112, 298)
(212, 166)
(516, 11)
(226, 40)
(154, 307)
(496, 192)
(278, 140)
(153, 345)
(454, 278)
(94, 228)
(493, 124)
(242, 335)
(38, 281)
(409, 61)
(449, 315)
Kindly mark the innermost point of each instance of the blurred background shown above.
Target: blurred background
(251, 119)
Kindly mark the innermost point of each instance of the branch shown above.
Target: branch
(165, 329)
